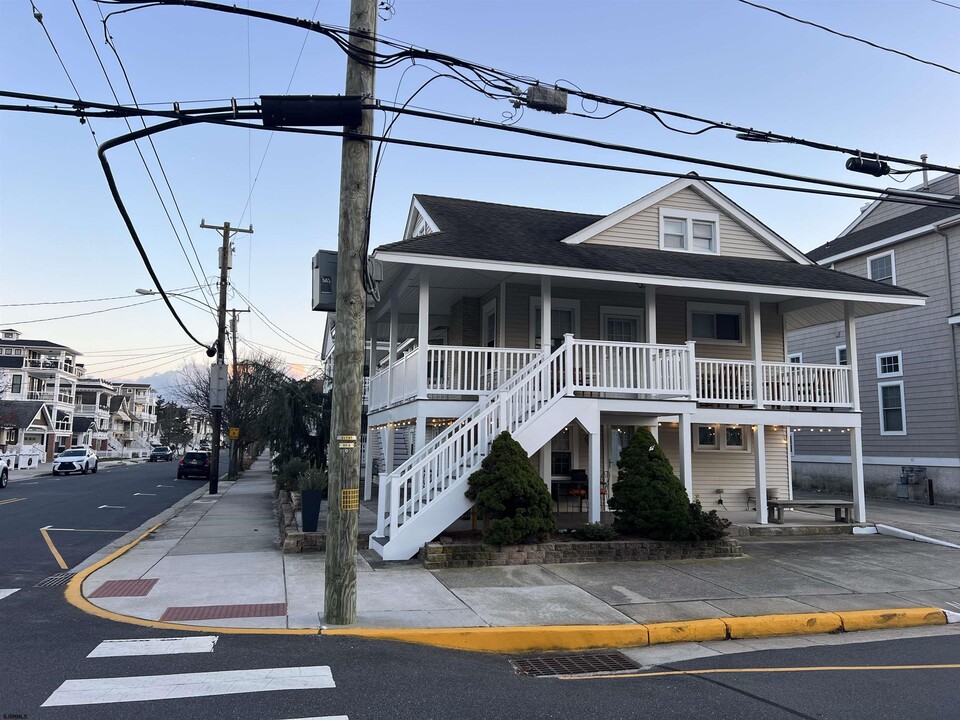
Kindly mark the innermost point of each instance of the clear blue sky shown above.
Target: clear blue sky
(62, 239)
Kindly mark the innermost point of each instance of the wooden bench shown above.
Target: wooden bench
(775, 508)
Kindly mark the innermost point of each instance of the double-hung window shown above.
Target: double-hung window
(689, 230)
(842, 355)
(893, 412)
(882, 269)
(715, 323)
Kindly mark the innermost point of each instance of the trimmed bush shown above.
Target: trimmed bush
(594, 531)
(648, 499)
(707, 525)
(313, 479)
(513, 500)
(289, 473)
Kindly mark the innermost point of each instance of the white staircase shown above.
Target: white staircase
(423, 496)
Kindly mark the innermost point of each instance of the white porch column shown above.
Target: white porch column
(760, 472)
(650, 313)
(545, 469)
(368, 467)
(391, 433)
(420, 438)
(392, 351)
(856, 472)
(756, 341)
(655, 431)
(686, 454)
(850, 327)
(594, 475)
(423, 334)
(546, 314)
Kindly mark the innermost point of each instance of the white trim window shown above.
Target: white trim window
(795, 358)
(488, 328)
(621, 324)
(881, 267)
(689, 231)
(842, 355)
(721, 438)
(893, 411)
(890, 364)
(564, 318)
(715, 324)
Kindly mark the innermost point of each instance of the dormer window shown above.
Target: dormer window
(689, 231)
(882, 269)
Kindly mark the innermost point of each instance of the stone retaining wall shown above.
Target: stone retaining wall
(293, 539)
(439, 555)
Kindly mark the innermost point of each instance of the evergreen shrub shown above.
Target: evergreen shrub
(511, 496)
(594, 532)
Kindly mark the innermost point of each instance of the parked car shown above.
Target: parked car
(194, 462)
(79, 459)
(3, 476)
(160, 452)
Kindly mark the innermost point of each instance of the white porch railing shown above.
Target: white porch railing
(725, 381)
(806, 385)
(644, 369)
(49, 364)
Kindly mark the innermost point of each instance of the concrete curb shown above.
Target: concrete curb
(587, 637)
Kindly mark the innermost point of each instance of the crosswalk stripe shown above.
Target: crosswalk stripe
(7, 593)
(157, 646)
(325, 717)
(162, 687)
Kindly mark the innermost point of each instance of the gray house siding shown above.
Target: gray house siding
(929, 349)
(946, 184)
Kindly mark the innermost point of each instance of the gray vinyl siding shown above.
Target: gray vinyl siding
(946, 184)
(643, 229)
(672, 330)
(926, 342)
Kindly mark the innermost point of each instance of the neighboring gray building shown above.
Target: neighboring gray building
(908, 364)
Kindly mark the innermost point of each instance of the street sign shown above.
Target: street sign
(234, 433)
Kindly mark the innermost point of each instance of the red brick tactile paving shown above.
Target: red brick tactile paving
(123, 588)
(223, 612)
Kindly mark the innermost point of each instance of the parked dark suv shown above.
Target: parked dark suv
(160, 452)
(195, 463)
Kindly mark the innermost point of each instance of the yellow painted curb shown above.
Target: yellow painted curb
(895, 618)
(688, 631)
(510, 639)
(772, 625)
(74, 595)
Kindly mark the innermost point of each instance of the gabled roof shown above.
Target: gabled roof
(850, 243)
(38, 344)
(708, 193)
(19, 413)
(533, 238)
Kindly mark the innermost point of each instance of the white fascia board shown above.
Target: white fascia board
(780, 418)
(713, 195)
(906, 235)
(954, 320)
(415, 209)
(660, 280)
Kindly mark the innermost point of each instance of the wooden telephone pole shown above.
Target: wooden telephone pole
(226, 262)
(343, 491)
(234, 459)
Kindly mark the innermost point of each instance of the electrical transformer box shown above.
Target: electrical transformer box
(325, 280)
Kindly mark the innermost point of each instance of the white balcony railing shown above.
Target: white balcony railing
(50, 364)
(806, 385)
(725, 381)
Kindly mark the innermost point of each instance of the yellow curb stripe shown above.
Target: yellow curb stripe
(731, 671)
(74, 595)
(53, 549)
(895, 618)
(11, 500)
(688, 631)
(773, 625)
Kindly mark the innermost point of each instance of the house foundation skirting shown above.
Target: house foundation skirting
(881, 481)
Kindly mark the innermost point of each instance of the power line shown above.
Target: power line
(283, 334)
(92, 312)
(850, 37)
(279, 350)
(159, 364)
(70, 302)
(92, 353)
(941, 2)
(107, 366)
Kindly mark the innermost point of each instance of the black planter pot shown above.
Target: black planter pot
(310, 509)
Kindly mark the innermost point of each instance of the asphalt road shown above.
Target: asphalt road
(45, 644)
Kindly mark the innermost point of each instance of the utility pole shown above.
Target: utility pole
(234, 460)
(226, 262)
(343, 504)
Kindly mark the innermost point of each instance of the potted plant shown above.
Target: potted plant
(313, 486)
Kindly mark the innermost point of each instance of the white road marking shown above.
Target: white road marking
(163, 687)
(150, 494)
(166, 485)
(158, 646)
(113, 507)
(325, 717)
(7, 593)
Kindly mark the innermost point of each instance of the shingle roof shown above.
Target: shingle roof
(881, 231)
(18, 413)
(36, 344)
(506, 233)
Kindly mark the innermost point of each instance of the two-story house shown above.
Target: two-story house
(907, 359)
(93, 417)
(571, 330)
(142, 409)
(37, 392)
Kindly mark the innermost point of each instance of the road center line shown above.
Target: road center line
(11, 500)
(732, 671)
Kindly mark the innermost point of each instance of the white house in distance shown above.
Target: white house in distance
(571, 330)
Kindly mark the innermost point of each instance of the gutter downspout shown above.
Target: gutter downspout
(953, 328)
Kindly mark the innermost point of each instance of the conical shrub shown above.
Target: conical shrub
(511, 496)
(648, 499)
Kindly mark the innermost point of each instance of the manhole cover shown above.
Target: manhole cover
(579, 664)
(57, 580)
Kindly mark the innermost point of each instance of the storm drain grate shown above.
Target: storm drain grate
(580, 664)
(57, 580)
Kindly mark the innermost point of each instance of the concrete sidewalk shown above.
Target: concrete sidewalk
(216, 561)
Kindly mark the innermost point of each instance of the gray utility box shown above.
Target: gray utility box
(325, 280)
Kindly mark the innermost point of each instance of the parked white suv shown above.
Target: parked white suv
(79, 459)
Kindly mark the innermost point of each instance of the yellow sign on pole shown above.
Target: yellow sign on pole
(234, 433)
(350, 499)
